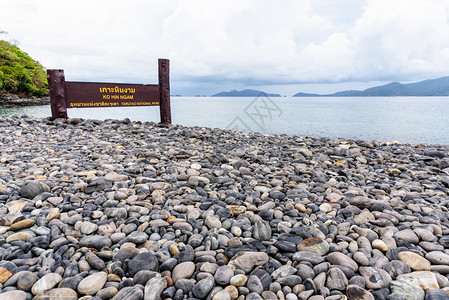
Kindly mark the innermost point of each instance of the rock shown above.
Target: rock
(402, 288)
(26, 280)
(283, 272)
(47, 282)
(375, 278)
(364, 217)
(112, 176)
(436, 294)
(13, 295)
(396, 267)
(88, 228)
(246, 261)
(125, 253)
(98, 185)
(336, 280)
(27, 223)
(212, 222)
(379, 244)
(407, 235)
(129, 293)
(254, 284)
(262, 230)
(107, 293)
(354, 292)
(337, 258)
(238, 280)
(95, 241)
(94, 261)
(154, 288)
(223, 275)
(92, 283)
(20, 236)
(58, 294)
(186, 285)
(143, 261)
(5, 274)
(222, 295)
(290, 280)
(203, 287)
(316, 245)
(71, 282)
(183, 270)
(425, 280)
(308, 256)
(415, 261)
(438, 258)
(33, 188)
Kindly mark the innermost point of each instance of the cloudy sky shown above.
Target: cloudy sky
(284, 46)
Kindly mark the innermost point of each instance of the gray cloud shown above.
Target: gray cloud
(235, 43)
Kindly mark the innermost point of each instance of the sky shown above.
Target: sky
(284, 46)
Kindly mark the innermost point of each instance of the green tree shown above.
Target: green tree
(19, 73)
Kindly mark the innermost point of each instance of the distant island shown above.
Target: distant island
(245, 93)
(431, 87)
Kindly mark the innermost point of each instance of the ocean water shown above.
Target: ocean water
(420, 120)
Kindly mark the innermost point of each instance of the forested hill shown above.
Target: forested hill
(431, 87)
(19, 73)
(245, 93)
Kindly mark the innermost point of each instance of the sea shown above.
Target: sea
(417, 120)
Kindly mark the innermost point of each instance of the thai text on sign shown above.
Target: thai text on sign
(94, 94)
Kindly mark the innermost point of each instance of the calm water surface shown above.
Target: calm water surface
(405, 119)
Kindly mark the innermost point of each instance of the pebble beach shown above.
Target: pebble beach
(117, 209)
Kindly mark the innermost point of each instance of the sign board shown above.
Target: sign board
(95, 94)
(74, 94)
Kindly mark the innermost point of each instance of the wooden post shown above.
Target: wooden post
(164, 90)
(56, 85)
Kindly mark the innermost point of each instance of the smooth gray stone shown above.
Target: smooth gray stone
(154, 288)
(254, 285)
(143, 261)
(203, 287)
(95, 241)
(311, 257)
(129, 293)
(223, 274)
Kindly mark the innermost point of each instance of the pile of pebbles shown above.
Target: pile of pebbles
(128, 210)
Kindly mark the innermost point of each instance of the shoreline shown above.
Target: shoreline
(11, 100)
(137, 209)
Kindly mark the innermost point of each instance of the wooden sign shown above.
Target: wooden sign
(94, 94)
(74, 94)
